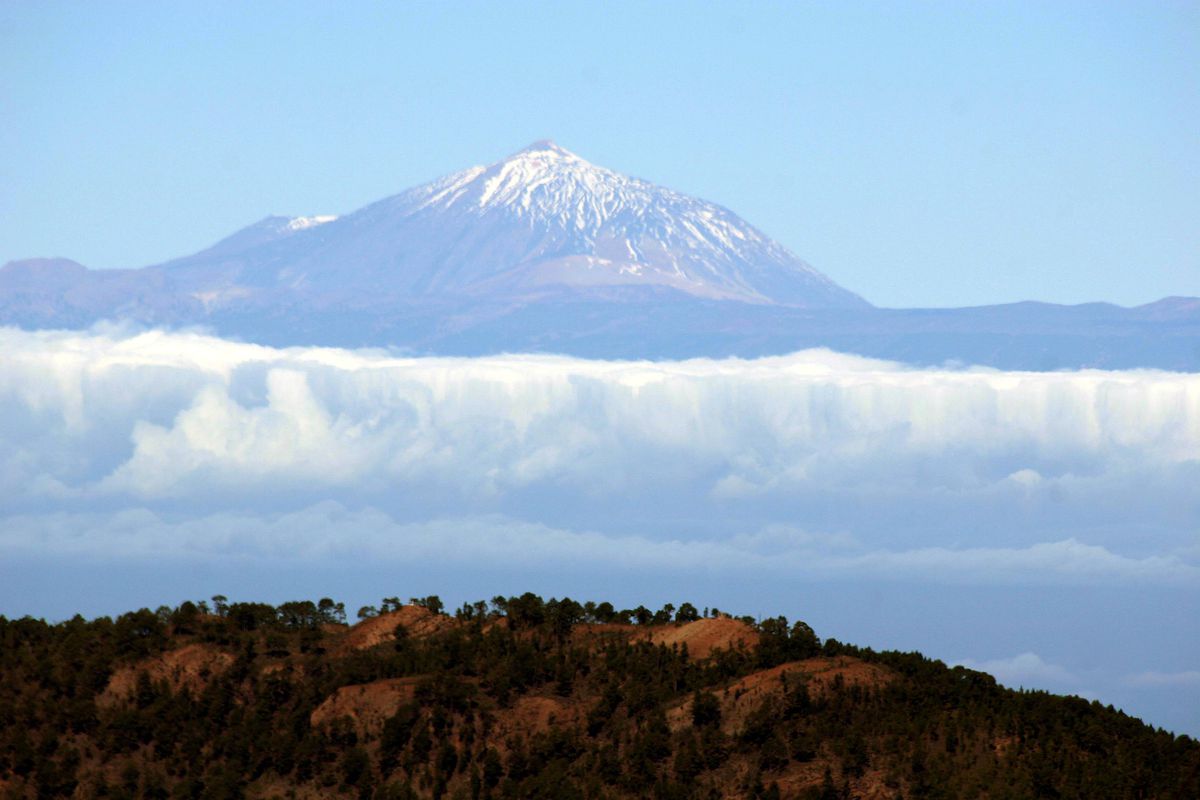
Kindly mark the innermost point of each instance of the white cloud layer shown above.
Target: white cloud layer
(1027, 670)
(161, 414)
(671, 459)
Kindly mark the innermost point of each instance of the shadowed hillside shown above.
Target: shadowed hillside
(522, 697)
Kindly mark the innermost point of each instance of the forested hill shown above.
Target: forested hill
(525, 698)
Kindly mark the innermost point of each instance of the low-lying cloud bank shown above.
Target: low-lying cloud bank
(330, 534)
(167, 414)
(1076, 474)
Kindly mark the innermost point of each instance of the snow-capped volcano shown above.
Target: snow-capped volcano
(546, 252)
(545, 217)
(540, 224)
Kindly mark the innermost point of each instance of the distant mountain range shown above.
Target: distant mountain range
(544, 251)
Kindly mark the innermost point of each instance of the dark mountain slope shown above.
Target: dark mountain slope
(525, 698)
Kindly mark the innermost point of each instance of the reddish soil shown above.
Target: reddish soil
(799, 777)
(595, 634)
(742, 697)
(1002, 744)
(294, 670)
(188, 668)
(823, 671)
(704, 636)
(366, 705)
(418, 621)
(535, 714)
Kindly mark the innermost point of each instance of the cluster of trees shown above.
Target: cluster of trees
(293, 615)
(433, 603)
(530, 610)
(930, 732)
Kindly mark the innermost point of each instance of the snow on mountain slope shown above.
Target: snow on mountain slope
(546, 217)
(546, 252)
(535, 225)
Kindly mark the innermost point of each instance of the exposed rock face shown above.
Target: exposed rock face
(367, 705)
(703, 637)
(820, 676)
(372, 631)
(188, 668)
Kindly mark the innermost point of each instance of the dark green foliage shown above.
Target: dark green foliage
(651, 722)
(706, 709)
(432, 603)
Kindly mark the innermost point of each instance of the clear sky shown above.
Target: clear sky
(925, 155)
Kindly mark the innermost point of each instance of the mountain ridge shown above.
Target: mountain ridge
(544, 251)
(525, 697)
(545, 217)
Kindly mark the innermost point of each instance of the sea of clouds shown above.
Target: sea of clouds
(815, 460)
(180, 449)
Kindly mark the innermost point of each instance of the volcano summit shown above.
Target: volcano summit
(543, 221)
(545, 217)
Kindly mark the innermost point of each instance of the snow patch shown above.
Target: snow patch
(302, 223)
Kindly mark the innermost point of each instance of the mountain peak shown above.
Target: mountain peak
(544, 217)
(541, 223)
(546, 147)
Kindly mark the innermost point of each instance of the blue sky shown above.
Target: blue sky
(923, 155)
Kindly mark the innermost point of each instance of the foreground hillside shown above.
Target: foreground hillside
(522, 698)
